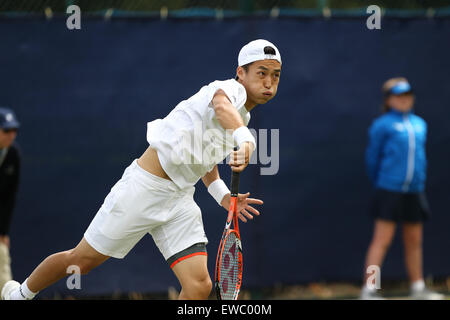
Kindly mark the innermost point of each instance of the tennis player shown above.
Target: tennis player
(155, 193)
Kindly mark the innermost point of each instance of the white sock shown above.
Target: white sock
(23, 292)
(367, 289)
(418, 285)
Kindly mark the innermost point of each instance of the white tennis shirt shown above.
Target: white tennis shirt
(189, 140)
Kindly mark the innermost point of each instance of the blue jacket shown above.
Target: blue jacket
(395, 156)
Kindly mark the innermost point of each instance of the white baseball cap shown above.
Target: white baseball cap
(254, 51)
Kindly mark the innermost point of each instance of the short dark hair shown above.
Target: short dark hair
(245, 67)
(267, 50)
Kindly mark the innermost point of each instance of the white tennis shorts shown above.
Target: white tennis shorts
(141, 203)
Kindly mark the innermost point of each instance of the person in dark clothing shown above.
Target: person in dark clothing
(9, 183)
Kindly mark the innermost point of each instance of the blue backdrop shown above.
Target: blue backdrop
(84, 97)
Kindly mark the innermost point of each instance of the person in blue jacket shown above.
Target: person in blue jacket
(396, 165)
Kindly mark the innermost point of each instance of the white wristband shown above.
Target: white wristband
(218, 190)
(242, 134)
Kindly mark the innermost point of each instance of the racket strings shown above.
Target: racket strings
(229, 267)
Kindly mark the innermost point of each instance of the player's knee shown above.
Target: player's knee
(85, 267)
(83, 263)
(207, 285)
(199, 288)
(204, 288)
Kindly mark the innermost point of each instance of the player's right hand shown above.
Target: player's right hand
(244, 208)
(239, 159)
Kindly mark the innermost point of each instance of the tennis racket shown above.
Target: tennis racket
(228, 276)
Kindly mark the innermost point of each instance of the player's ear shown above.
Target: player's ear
(240, 73)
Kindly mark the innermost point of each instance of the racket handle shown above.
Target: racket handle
(234, 181)
(234, 184)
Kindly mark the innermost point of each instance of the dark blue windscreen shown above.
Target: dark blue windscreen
(84, 97)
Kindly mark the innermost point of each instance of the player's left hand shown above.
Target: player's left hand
(243, 206)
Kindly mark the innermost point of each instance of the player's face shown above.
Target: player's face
(402, 103)
(7, 137)
(261, 80)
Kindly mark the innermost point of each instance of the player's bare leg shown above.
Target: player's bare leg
(54, 267)
(194, 278)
